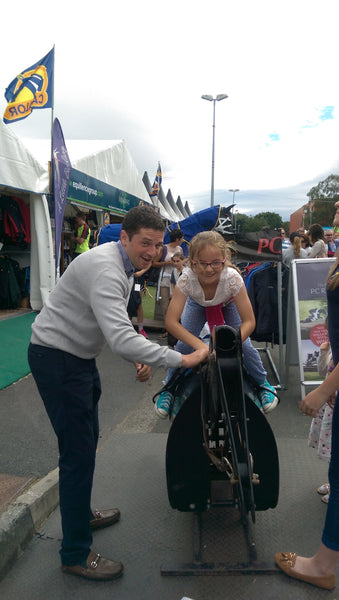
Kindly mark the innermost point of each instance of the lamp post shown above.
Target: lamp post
(214, 100)
(234, 193)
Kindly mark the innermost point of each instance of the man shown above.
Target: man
(86, 309)
(331, 247)
(82, 235)
(285, 243)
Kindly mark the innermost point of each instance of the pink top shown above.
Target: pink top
(229, 285)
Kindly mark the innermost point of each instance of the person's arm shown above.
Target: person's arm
(315, 249)
(245, 310)
(139, 273)
(311, 404)
(173, 325)
(157, 262)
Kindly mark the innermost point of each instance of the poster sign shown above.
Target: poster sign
(307, 312)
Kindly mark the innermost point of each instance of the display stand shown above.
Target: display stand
(264, 246)
(307, 311)
(279, 375)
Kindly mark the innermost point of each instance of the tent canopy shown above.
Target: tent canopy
(106, 160)
(18, 167)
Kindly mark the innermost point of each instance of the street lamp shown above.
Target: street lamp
(214, 100)
(234, 193)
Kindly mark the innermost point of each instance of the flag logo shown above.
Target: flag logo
(157, 182)
(33, 88)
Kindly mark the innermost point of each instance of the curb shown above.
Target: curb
(24, 516)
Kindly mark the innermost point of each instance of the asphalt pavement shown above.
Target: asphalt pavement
(130, 473)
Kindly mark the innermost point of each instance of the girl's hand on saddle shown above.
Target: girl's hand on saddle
(195, 358)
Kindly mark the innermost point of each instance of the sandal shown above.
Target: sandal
(163, 335)
(324, 489)
(325, 498)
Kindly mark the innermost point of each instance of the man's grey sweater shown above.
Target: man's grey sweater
(88, 307)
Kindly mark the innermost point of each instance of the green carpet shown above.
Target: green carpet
(15, 334)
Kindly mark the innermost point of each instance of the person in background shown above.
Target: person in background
(294, 250)
(285, 241)
(319, 569)
(134, 307)
(331, 247)
(317, 239)
(82, 235)
(164, 283)
(179, 262)
(305, 243)
(320, 434)
(87, 309)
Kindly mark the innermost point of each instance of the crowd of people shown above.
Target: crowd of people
(196, 293)
(315, 243)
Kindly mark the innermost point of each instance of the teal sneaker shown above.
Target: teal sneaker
(163, 404)
(268, 399)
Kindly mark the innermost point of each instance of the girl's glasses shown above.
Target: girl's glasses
(215, 265)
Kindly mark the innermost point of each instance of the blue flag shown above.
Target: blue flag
(157, 182)
(61, 165)
(33, 88)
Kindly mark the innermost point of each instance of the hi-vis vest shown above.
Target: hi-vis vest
(83, 232)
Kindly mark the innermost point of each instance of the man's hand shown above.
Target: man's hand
(195, 358)
(143, 372)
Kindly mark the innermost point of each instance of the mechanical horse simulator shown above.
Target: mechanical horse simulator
(221, 460)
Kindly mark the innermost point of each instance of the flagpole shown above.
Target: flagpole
(52, 117)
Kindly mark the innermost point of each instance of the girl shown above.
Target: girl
(305, 243)
(317, 239)
(213, 290)
(320, 435)
(294, 250)
(178, 261)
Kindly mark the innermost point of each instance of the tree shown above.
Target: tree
(260, 221)
(325, 190)
(322, 198)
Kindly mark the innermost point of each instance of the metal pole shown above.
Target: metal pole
(213, 146)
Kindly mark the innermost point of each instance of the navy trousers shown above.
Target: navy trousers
(70, 389)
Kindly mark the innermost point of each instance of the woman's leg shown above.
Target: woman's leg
(324, 561)
(330, 537)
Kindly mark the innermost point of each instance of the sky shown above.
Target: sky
(137, 70)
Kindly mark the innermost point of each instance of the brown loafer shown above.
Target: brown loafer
(97, 567)
(286, 561)
(104, 518)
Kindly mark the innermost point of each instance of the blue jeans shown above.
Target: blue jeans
(330, 537)
(70, 389)
(194, 318)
